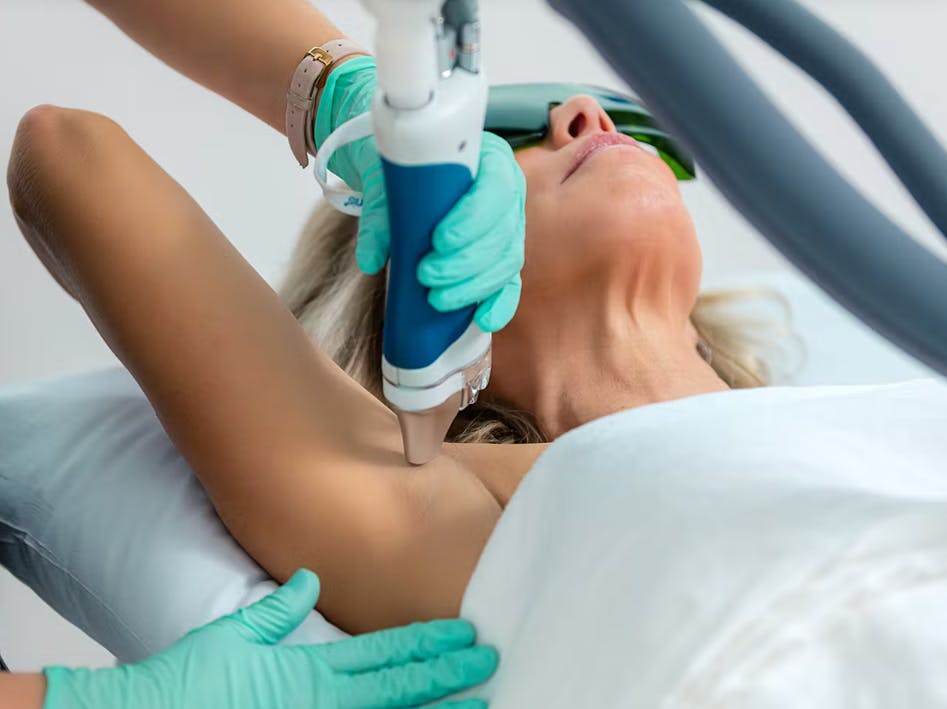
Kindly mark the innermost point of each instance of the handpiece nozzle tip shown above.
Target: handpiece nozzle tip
(423, 432)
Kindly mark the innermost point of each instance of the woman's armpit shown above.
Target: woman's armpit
(392, 543)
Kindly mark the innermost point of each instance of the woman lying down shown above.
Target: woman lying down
(677, 540)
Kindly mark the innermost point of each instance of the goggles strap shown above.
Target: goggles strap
(341, 197)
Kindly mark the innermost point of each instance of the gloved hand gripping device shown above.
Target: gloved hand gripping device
(427, 117)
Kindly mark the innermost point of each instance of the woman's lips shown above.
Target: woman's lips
(596, 144)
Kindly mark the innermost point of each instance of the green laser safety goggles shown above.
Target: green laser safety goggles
(519, 113)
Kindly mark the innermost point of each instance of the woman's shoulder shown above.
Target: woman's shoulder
(499, 467)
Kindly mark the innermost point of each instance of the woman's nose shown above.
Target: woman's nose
(576, 118)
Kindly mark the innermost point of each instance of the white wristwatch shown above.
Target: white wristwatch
(302, 98)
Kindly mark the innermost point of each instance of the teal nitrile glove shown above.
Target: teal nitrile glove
(479, 246)
(477, 249)
(233, 663)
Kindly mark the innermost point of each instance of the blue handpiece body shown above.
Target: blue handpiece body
(419, 197)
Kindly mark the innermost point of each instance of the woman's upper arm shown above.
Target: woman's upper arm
(303, 464)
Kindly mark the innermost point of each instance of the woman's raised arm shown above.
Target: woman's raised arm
(244, 50)
(304, 466)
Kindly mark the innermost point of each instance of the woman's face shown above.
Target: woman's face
(621, 205)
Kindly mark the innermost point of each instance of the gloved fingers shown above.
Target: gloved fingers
(463, 704)
(397, 646)
(417, 682)
(478, 288)
(271, 619)
(371, 249)
(495, 312)
(438, 269)
(374, 240)
(488, 199)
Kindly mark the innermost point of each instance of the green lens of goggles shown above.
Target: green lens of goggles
(519, 113)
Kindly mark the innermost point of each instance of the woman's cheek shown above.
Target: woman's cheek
(543, 250)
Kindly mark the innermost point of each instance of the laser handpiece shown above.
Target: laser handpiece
(427, 118)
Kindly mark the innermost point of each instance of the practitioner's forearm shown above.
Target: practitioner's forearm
(245, 50)
(22, 691)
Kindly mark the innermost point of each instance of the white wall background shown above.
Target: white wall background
(241, 171)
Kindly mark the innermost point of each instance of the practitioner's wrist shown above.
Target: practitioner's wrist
(22, 691)
(72, 689)
(326, 86)
(106, 688)
(349, 93)
(305, 89)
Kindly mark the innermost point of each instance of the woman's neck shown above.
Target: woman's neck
(586, 361)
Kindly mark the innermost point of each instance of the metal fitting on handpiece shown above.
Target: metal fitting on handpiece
(464, 17)
(469, 56)
(423, 432)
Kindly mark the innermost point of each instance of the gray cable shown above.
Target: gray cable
(457, 13)
(904, 141)
(772, 174)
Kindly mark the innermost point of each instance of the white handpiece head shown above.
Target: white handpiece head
(406, 49)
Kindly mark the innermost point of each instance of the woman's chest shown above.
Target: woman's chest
(500, 468)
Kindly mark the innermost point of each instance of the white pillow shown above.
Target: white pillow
(103, 518)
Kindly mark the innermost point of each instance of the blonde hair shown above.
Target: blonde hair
(342, 310)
